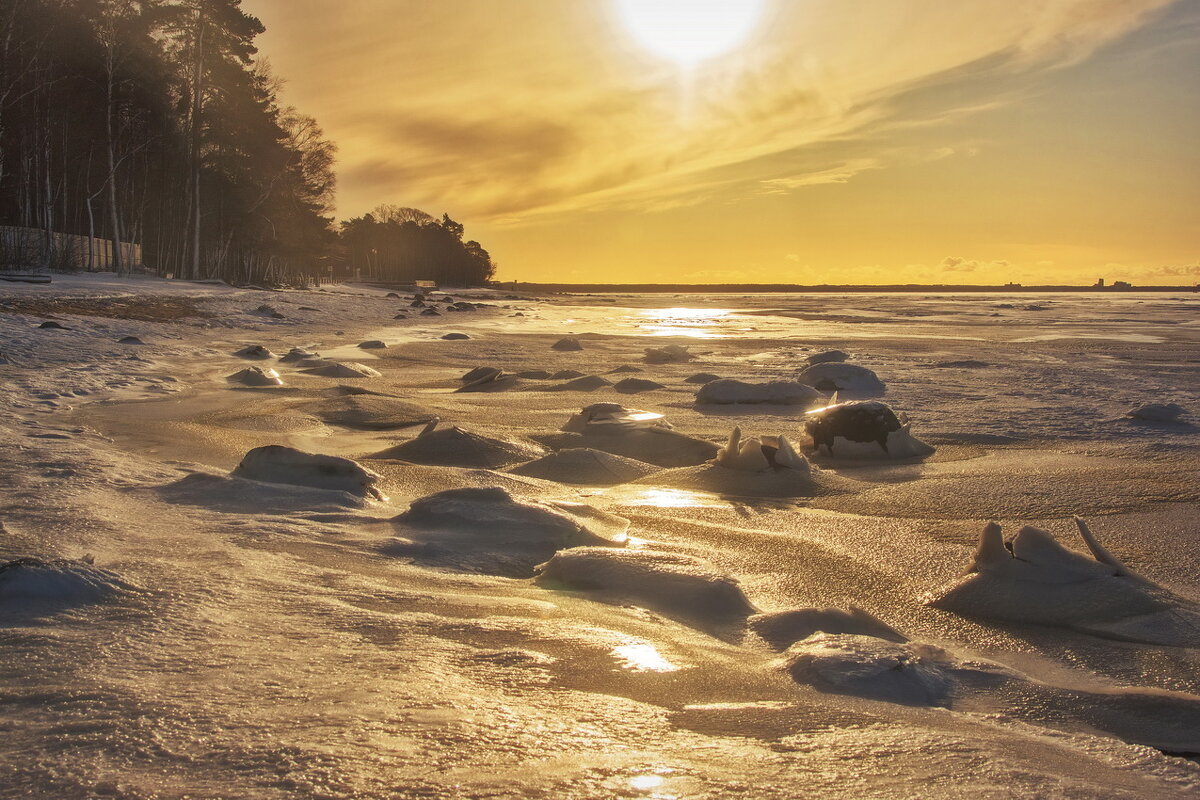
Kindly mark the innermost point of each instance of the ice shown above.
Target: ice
(907, 673)
(256, 376)
(254, 351)
(671, 583)
(567, 344)
(781, 629)
(826, 357)
(1157, 412)
(727, 391)
(489, 530)
(280, 464)
(1034, 579)
(34, 585)
(343, 370)
(849, 379)
(586, 467)
(457, 447)
(668, 354)
(636, 386)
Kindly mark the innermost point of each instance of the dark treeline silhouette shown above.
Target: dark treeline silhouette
(397, 244)
(150, 121)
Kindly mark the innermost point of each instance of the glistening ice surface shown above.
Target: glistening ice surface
(245, 639)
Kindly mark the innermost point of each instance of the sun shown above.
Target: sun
(690, 31)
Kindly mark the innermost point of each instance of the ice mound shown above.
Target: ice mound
(864, 429)
(835, 376)
(906, 673)
(622, 369)
(51, 325)
(826, 357)
(633, 433)
(279, 464)
(348, 369)
(534, 374)
(370, 412)
(254, 351)
(373, 344)
(431, 312)
(129, 340)
(759, 466)
(760, 453)
(256, 376)
(29, 583)
(489, 530)
(727, 391)
(455, 447)
(674, 584)
(450, 337)
(1157, 412)
(567, 344)
(781, 629)
(636, 385)
(702, 377)
(588, 383)
(670, 354)
(566, 374)
(607, 415)
(298, 354)
(585, 467)
(486, 379)
(1031, 578)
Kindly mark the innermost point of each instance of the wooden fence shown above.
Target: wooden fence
(25, 249)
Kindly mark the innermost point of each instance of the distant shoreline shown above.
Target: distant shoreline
(747, 288)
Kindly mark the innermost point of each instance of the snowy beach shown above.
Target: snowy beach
(512, 582)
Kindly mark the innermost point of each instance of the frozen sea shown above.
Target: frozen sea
(185, 633)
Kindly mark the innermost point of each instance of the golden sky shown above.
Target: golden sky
(872, 141)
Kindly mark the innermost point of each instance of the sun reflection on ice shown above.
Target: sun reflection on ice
(696, 323)
(643, 657)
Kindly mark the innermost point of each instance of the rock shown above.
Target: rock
(51, 325)
(623, 368)
(566, 374)
(129, 340)
(455, 336)
(702, 377)
(278, 464)
(726, 391)
(860, 429)
(535, 374)
(431, 312)
(373, 344)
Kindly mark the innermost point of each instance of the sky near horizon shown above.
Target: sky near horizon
(879, 141)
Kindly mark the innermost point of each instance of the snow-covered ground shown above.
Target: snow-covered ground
(188, 632)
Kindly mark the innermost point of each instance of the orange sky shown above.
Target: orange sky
(873, 141)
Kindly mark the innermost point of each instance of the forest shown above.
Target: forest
(154, 123)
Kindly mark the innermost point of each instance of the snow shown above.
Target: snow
(275, 640)
(727, 391)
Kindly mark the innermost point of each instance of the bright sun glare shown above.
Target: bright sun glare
(690, 31)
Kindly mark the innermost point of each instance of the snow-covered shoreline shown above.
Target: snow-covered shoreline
(285, 643)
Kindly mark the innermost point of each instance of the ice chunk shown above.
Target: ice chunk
(279, 464)
(726, 391)
(842, 377)
(672, 583)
